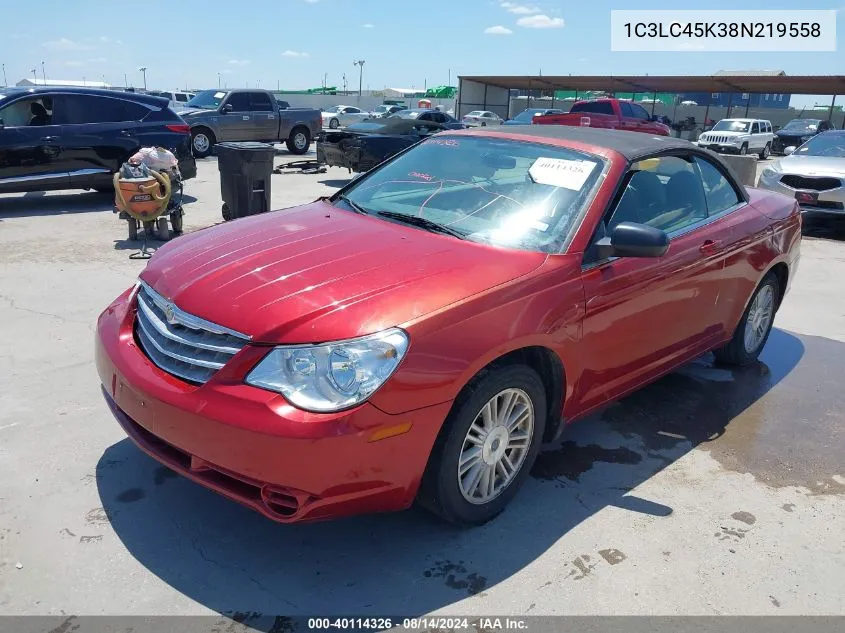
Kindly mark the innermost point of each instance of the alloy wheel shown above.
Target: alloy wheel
(495, 446)
(759, 318)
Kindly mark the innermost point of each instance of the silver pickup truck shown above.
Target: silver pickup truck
(216, 116)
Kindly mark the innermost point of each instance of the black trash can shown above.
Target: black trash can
(245, 170)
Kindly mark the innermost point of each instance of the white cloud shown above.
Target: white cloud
(238, 62)
(294, 54)
(497, 30)
(108, 40)
(519, 9)
(74, 64)
(369, 26)
(540, 22)
(64, 44)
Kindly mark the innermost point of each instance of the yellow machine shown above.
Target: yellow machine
(145, 201)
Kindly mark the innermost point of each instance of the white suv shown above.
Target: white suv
(740, 136)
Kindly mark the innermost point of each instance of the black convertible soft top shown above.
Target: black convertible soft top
(391, 126)
(632, 145)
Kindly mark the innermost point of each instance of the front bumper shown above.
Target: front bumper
(253, 447)
(721, 148)
(830, 201)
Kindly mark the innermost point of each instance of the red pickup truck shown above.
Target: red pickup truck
(608, 113)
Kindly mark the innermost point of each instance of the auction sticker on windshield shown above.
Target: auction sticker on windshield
(219, 95)
(560, 172)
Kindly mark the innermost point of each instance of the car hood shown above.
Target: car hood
(194, 111)
(711, 132)
(317, 273)
(812, 165)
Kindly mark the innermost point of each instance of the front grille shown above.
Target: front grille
(718, 138)
(813, 183)
(180, 343)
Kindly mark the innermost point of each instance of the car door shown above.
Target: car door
(30, 145)
(264, 117)
(754, 142)
(235, 121)
(641, 119)
(627, 120)
(644, 315)
(99, 133)
(351, 115)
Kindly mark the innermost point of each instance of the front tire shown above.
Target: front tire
(754, 327)
(202, 142)
(766, 151)
(744, 149)
(299, 141)
(486, 447)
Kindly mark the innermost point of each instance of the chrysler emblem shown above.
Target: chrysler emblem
(169, 314)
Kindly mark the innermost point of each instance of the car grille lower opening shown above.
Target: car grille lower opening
(179, 343)
(813, 183)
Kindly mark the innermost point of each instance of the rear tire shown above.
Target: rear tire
(202, 142)
(176, 222)
(478, 450)
(754, 327)
(133, 229)
(766, 152)
(163, 229)
(299, 140)
(334, 124)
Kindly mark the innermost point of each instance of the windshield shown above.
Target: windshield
(801, 125)
(381, 108)
(824, 144)
(731, 126)
(501, 192)
(527, 115)
(207, 100)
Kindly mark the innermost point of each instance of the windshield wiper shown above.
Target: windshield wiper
(357, 208)
(423, 223)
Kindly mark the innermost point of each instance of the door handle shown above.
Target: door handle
(49, 138)
(125, 133)
(710, 246)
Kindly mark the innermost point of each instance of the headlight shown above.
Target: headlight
(332, 376)
(769, 173)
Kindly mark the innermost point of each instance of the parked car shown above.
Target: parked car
(796, 132)
(77, 138)
(342, 115)
(430, 114)
(813, 174)
(216, 116)
(607, 113)
(177, 99)
(420, 333)
(739, 136)
(482, 118)
(526, 117)
(384, 111)
(362, 146)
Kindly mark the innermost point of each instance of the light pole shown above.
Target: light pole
(5, 81)
(43, 74)
(344, 83)
(218, 80)
(360, 63)
(35, 76)
(125, 81)
(143, 70)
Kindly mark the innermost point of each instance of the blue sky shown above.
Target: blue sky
(293, 43)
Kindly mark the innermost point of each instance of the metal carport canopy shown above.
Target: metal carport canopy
(786, 84)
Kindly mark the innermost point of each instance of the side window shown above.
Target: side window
(26, 112)
(181, 97)
(439, 117)
(426, 116)
(755, 128)
(260, 102)
(640, 112)
(718, 191)
(239, 101)
(599, 107)
(626, 108)
(664, 192)
(77, 109)
(353, 111)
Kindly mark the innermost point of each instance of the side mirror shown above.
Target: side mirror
(226, 109)
(788, 150)
(631, 239)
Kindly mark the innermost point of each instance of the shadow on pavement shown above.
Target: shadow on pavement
(236, 562)
(38, 203)
(335, 182)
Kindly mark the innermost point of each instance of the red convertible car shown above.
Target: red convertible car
(419, 334)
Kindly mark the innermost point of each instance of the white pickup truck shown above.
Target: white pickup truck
(740, 136)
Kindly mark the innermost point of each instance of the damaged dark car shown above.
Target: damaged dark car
(362, 146)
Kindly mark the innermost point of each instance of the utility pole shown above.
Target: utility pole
(6, 81)
(43, 74)
(125, 81)
(35, 76)
(360, 63)
(143, 70)
(344, 83)
(218, 81)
